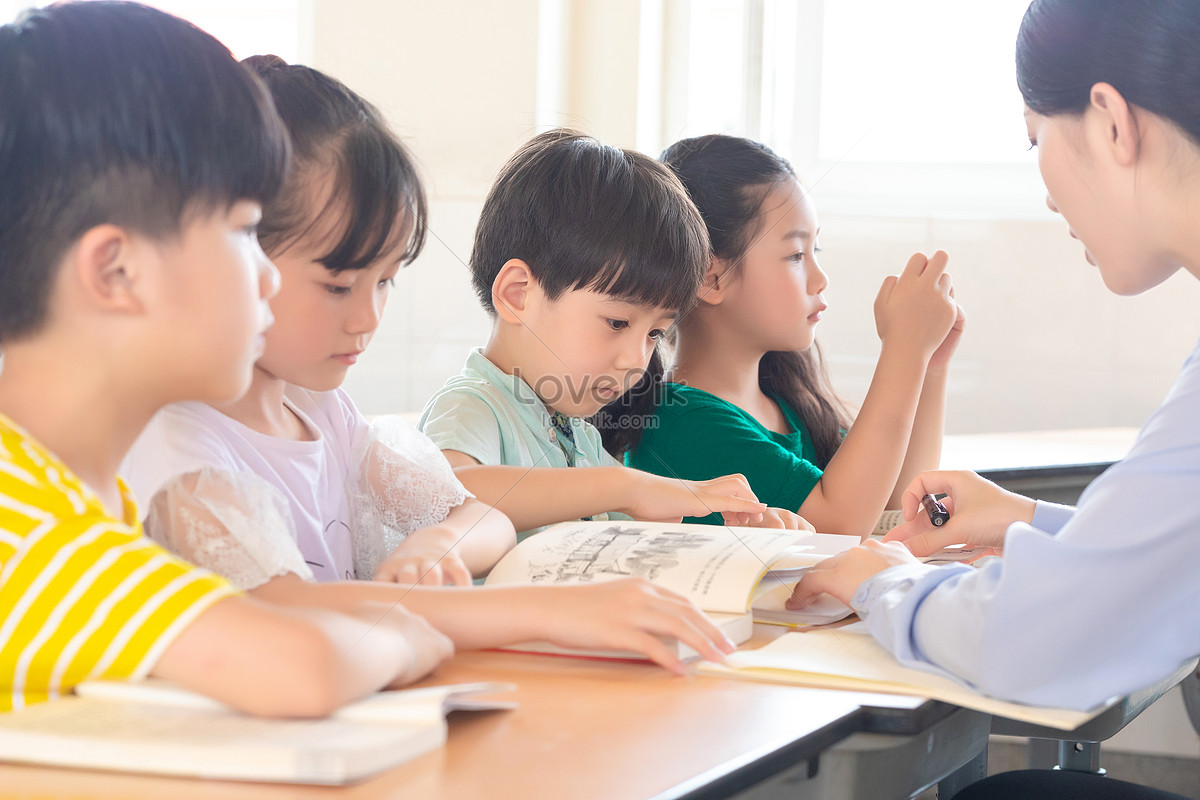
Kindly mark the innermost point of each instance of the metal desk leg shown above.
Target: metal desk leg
(1079, 757)
(964, 776)
(1191, 697)
(1065, 754)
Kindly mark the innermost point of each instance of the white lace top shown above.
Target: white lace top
(252, 507)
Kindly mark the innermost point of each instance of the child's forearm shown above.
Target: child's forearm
(482, 534)
(532, 497)
(472, 618)
(925, 443)
(283, 662)
(858, 482)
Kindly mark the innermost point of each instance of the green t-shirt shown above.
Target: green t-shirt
(697, 436)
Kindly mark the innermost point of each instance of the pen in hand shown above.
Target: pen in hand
(938, 514)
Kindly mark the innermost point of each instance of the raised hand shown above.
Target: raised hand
(915, 310)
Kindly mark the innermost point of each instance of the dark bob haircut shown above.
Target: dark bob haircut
(117, 113)
(584, 215)
(1148, 50)
(377, 200)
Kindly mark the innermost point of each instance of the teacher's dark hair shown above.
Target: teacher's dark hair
(1148, 50)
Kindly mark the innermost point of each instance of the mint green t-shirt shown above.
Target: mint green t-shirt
(697, 436)
(498, 420)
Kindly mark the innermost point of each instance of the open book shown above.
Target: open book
(736, 575)
(154, 727)
(850, 658)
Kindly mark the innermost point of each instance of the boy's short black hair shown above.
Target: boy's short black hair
(117, 113)
(584, 215)
(377, 201)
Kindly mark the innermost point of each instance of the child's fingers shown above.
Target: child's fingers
(431, 574)
(945, 285)
(772, 520)
(790, 520)
(656, 651)
(390, 572)
(713, 641)
(740, 519)
(674, 617)
(885, 289)
(935, 268)
(739, 505)
(735, 485)
(456, 572)
(916, 265)
(407, 572)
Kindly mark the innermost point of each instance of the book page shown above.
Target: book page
(715, 566)
(840, 660)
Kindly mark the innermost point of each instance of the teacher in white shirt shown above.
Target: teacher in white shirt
(1100, 600)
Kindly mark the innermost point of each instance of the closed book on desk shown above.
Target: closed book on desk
(850, 658)
(154, 727)
(723, 570)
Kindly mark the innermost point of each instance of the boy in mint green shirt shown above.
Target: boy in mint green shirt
(584, 256)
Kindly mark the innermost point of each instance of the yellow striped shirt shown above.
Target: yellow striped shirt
(82, 595)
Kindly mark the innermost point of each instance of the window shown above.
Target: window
(895, 109)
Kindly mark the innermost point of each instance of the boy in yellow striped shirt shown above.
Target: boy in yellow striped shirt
(135, 154)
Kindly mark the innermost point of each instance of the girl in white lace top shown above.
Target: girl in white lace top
(289, 490)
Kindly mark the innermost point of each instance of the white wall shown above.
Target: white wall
(458, 80)
(1047, 345)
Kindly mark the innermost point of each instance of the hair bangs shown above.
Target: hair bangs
(643, 276)
(354, 183)
(377, 200)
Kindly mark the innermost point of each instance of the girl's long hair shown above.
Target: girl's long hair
(728, 178)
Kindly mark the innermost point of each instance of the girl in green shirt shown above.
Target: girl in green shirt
(748, 393)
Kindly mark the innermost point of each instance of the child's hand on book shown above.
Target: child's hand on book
(630, 614)
(658, 499)
(427, 557)
(980, 513)
(841, 575)
(783, 519)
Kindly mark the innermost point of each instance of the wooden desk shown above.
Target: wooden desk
(608, 731)
(1047, 465)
